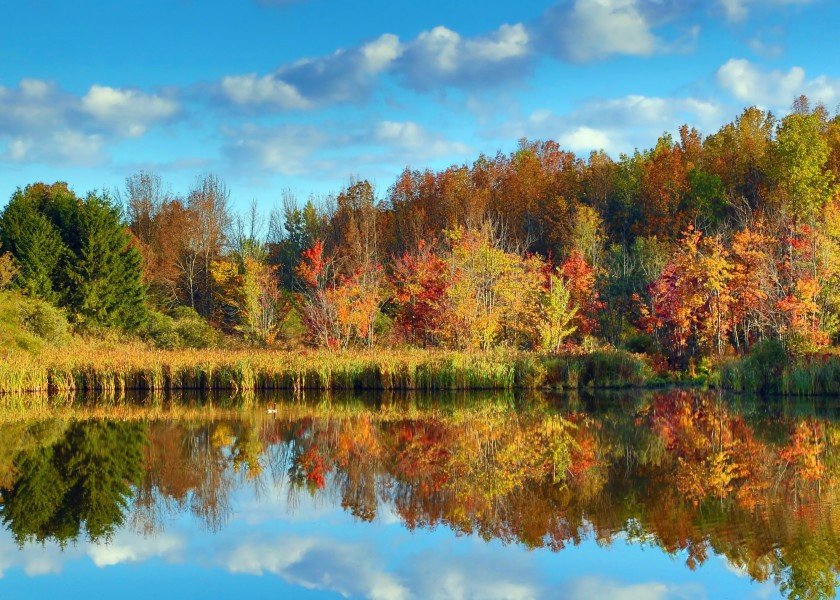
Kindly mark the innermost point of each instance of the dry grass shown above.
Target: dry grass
(115, 368)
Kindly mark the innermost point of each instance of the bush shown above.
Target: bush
(182, 313)
(161, 331)
(196, 333)
(640, 343)
(45, 321)
(184, 329)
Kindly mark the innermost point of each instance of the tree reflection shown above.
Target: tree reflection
(80, 482)
(684, 471)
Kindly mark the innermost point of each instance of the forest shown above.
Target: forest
(694, 256)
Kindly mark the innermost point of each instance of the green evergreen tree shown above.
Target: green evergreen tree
(103, 271)
(35, 244)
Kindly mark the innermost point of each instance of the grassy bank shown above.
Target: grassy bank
(134, 367)
(817, 375)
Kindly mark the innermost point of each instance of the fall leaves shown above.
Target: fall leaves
(710, 298)
(470, 294)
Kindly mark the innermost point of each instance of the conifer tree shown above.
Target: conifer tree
(103, 271)
(35, 244)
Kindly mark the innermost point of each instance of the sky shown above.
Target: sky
(305, 95)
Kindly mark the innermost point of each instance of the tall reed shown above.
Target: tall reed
(112, 370)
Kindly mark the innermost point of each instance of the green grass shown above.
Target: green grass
(817, 375)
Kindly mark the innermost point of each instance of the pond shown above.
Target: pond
(671, 494)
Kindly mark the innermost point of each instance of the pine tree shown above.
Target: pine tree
(103, 271)
(35, 244)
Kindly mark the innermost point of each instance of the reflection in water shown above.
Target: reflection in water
(69, 475)
(685, 472)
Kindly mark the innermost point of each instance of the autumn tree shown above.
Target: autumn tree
(579, 279)
(208, 202)
(556, 317)
(493, 294)
(248, 297)
(420, 281)
(800, 157)
(691, 298)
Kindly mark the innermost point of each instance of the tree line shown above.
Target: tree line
(700, 246)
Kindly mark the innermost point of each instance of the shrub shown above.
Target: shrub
(181, 313)
(45, 321)
(640, 343)
(161, 331)
(196, 333)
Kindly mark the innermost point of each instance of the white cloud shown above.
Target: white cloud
(343, 76)
(410, 136)
(130, 547)
(287, 149)
(314, 150)
(583, 138)
(265, 90)
(62, 146)
(774, 89)
(594, 587)
(441, 57)
(130, 112)
(436, 58)
(380, 53)
(617, 124)
(40, 123)
(595, 29)
(126, 547)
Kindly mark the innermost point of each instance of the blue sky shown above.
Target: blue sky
(305, 94)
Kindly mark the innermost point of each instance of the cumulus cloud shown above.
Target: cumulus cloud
(313, 150)
(441, 57)
(583, 138)
(617, 124)
(129, 112)
(436, 58)
(286, 149)
(775, 89)
(129, 547)
(410, 136)
(594, 587)
(266, 90)
(587, 30)
(482, 575)
(345, 75)
(126, 547)
(39, 122)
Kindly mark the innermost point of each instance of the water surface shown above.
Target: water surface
(656, 495)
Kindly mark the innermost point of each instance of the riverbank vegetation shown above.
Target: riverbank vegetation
(529, 269)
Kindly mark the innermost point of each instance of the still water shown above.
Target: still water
(656, 495)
